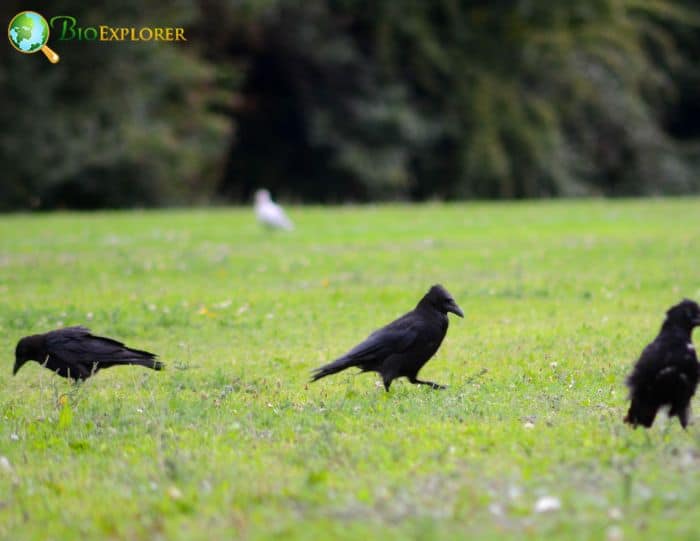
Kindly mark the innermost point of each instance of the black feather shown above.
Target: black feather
(666, 374)
(402, 347)
(73, 352)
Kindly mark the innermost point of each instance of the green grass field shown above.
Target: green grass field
(231, 442)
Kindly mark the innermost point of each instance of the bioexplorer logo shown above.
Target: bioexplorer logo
(29, 32)
(68, 29)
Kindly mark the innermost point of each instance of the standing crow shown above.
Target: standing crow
(269, 213)
(667, 372)
(405, 345)
(75, 353)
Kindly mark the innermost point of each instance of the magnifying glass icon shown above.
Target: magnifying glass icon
(28, 32)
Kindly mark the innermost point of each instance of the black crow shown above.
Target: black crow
(402, 348)
(75, 353)
(666, 373)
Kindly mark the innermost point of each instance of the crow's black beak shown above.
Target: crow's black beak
(455, 309)
(16, 368)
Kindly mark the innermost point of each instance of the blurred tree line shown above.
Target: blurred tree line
(335, 100)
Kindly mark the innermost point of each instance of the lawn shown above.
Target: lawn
(231, 442)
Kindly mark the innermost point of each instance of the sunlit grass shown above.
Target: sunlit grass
(232, 441)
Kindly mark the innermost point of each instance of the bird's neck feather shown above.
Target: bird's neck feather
(673, 327)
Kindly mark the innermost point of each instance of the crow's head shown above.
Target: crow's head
(685, 314)
(28, 348)
(440, 299)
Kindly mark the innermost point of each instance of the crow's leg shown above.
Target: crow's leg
(387, 379)
(681, 409)
(683, 415)
(432, 385)
(388, 375)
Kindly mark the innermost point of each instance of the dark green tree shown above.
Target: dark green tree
(331, 100)
(451, 98)
(113, 124)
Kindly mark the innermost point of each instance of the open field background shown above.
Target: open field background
(231, 442)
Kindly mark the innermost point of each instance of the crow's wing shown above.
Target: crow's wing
(396, 337)
(650, 362)
(661, 361)
(78, 345)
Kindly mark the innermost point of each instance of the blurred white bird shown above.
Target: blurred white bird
(269, 213)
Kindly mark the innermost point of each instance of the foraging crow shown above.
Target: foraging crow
(405, 345)
(269, 213)
(666, 373)
(75, 353)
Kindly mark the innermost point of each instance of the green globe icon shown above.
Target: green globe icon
(29, 32)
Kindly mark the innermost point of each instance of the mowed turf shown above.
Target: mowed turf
(231, 441)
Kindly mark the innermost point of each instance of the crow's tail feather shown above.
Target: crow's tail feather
(147, 363)
(332, 368)
(155, 365)
(139, 357)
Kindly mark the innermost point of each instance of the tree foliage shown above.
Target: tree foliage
(112, 124)
(358, 99)
(459, 99)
